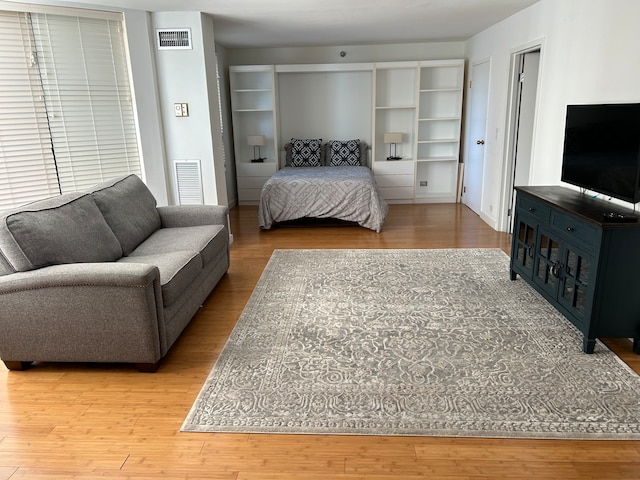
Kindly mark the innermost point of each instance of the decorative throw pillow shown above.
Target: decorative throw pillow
(129, 208)
(344, 153)
(305, 153)
(64, 229)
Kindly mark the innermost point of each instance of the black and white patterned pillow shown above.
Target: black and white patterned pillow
(344, 153)
(306, 153)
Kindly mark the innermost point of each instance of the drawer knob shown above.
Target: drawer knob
(531, 209)
(570, 229)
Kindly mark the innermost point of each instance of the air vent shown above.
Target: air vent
(173, 38)
(188, 182)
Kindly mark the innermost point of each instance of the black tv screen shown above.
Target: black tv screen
(602, 149)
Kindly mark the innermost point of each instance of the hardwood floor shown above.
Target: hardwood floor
(60, 421)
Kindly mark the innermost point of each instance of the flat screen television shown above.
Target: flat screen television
(602, 149)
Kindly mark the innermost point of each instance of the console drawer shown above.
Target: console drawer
(575, 229)
(533, 207)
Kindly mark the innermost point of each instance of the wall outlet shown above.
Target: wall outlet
(423, 183)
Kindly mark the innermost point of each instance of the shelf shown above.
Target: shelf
(437, 159)
(254, 110)
(393, 107)
(252, 90)
(396, 86)
(431, 90)
(440, 140)
(439, 119)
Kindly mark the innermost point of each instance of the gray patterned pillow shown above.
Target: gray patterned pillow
(306, 153)
(64, 229)
(344, 153)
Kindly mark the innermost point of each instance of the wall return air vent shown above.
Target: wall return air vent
(173, 38)
(188, 175)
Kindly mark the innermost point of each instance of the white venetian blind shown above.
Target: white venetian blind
(27, 168)
(88, 97)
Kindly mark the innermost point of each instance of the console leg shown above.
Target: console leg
(636, 345)
(513, 275)
(588, 345)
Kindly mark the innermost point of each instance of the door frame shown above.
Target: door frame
(513, 104)
(469, 141)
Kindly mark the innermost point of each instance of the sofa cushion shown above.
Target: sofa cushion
(207, 240)
(177, 271)
(129, 208)
(64, 229)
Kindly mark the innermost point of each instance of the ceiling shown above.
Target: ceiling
(283, 23)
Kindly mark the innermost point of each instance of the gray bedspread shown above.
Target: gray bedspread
(345, 193)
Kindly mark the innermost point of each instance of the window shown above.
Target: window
(66, 111)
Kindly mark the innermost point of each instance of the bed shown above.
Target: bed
(339, 187)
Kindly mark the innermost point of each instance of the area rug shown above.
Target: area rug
(410, 342)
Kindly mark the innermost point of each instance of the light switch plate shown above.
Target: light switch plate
(177, 108)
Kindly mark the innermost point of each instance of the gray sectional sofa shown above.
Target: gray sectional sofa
(105, 275)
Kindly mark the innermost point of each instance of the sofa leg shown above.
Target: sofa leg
(147, 367)
(17, 365)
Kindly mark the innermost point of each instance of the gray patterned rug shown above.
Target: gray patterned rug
(410, 342)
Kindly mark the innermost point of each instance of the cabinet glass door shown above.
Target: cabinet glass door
(548, 266)
(577, 275)
(524, 245)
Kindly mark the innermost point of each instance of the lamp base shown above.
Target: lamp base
(394, 158)
(258, 160)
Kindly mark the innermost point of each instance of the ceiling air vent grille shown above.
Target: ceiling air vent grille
(173, 38)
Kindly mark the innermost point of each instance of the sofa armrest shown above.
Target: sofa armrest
(77, 274)
(192, 215)
(92, 312)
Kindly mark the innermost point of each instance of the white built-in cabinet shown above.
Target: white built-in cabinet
(253, 113)
(422, 100)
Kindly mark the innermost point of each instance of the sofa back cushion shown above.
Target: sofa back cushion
(64, 229)
(129, 208)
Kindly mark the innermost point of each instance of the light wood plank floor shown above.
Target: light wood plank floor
(62, 421)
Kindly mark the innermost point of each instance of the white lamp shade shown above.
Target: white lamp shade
(255, 140)
(393, 137)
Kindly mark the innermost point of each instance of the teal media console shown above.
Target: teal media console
(583, 255)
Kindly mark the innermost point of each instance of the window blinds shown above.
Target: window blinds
(27, 168)
(80, 81)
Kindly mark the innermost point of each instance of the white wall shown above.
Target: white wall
(589, 55)
(227, 131)
(145, 87)
(188, 76)
(354, 53)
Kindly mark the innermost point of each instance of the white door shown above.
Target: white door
(527, 78)
(529, 86)
(474, 161)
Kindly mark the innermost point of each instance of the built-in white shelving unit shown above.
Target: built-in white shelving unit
(422, 100)
(395, 106)
(439, 121)
(253, 114)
